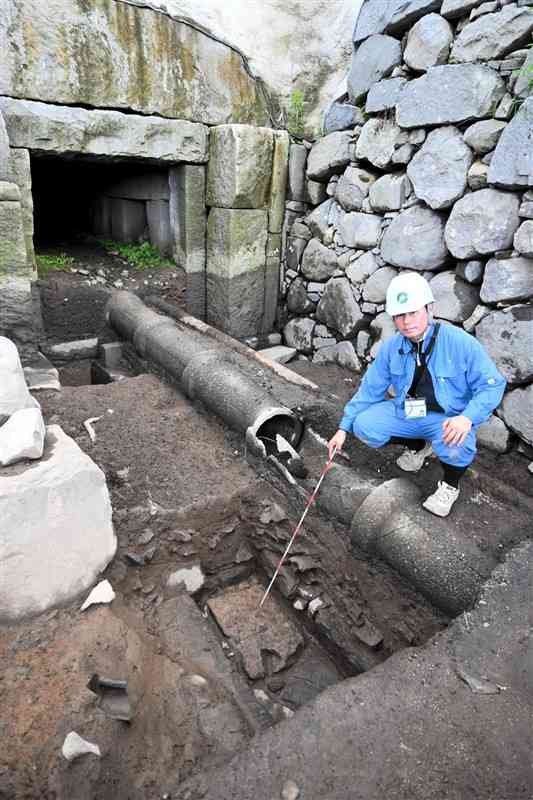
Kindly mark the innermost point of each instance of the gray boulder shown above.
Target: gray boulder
(384, 95)
(342, 117)
(511, 166)
(330, 156)
(377, 142)
(315, 192)
(375, 289)
(360, 230)
(342, 353)
(451, 93)
(298, 333)
(389, 192)
(362, 268)
(403, 13)
(494, 435)
(297, 168)
(373, 17)
(521, 87)
(428, 43)
(415, 240)
(373, 60)
(455, 300)
(517, 412)
(477, 176)
(239, 171)
(482, 222)
(439, 170)
(322, 217)
(297, 300)
(484, 136)
(507, 280)
(470, 271)
(493, 35)
(451, 9)
(318, 262)
(507, 337)
(338, 308)
(523, 240)
(353, 187)
(382, 328)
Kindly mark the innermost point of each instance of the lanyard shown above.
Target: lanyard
(422, 358)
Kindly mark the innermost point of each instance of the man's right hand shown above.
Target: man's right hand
(336, 441)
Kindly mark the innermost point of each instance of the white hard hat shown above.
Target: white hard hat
(408, 292)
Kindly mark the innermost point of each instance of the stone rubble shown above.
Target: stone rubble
(436, 176)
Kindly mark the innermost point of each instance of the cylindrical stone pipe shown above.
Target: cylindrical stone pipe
(205, 370)
(343, 491)
(448, 569)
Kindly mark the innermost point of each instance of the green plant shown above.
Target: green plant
(140, 256)
(295, 113)
(48, 263)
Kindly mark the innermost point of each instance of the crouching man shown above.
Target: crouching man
(444, 384)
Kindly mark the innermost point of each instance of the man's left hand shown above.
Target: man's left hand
(456, 429)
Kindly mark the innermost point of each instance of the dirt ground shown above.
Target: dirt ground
(183, 493)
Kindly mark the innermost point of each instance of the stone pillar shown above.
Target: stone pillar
(188, 221)
(19, 172)
(128, 220)
(246, 185)
(159, 230)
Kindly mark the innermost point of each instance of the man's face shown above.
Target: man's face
(412, 325)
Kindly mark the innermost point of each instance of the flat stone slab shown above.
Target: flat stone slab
(69, 351)
(280, 353)
(62, 129)
(56, 532)
(256, 632)
(40, 374)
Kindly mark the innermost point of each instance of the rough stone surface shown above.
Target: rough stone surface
(297, 300)
(253, 630)
(455, 300)
(382, 328)
(507, 337)
(494, 435)
(141, 61)
(55, 525)
(74, 747)
(451, 9)
(4, 151)
(329, 156)
(14, 394)
(236, 253)
(384, 95)
(322, 217)
(298, 333)
(41, 374)
(22, 437)
(373, 18)
(476, 316)
(451, 93)
(517, 411)
(415, 240)
(484, 136)
(338, 308)
(17, 315)
(493, 35)
(511, 166)
(470, 271)
(389, 192)
(352, 188)
(404, 13)
(188, 217)
(477, 176)
(318, 262)
(481, 223)
(19, 172)
(375, 289)
(438, 171)
(191, 578)
(521, 88)
(507, 280)
(342, 117)
(278, 185)
(373, 60)
(377, 141)
(523, 239)
(315, 192)
(58, 129)
(362, 268)
(69, 351)
(240, 166)
(279, 353)
(360, 230)
(428, 43)
(297, 169)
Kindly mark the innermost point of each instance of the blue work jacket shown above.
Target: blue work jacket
(466, 381)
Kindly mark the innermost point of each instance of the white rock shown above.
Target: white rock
(22, 436)
(74, 747)
(280, 353)
(14, 394)
(290, 791)
(192, 577)
(314, 605)
(102, 593)
(55, 528)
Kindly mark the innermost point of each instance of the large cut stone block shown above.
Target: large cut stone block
(272, 280)
(4, 151)
(236, 254)
(124, 55)
(56, 533)
(17, 312)
(19, 172)
(278, 186)
(159, 230)
(511, 166)
(297, 169)
(128, 220)
(449, 94)
(13, 256)
(188, 220)
(240, 166)
(58, 129)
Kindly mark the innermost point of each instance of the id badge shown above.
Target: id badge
(415, 407)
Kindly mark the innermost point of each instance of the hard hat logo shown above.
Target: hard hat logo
(402, 297)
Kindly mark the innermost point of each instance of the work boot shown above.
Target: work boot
(411, 460)
(442, 500)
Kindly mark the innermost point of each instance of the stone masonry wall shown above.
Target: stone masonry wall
(426, 165)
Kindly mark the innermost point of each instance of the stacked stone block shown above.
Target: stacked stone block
(426, 164)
